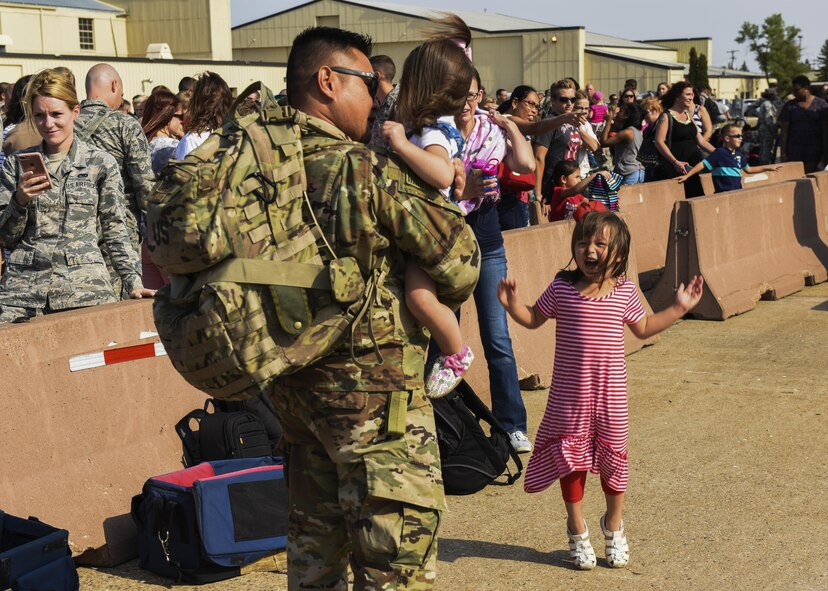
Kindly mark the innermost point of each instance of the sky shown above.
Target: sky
(630, 19)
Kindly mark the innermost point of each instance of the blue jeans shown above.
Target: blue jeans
(634, 178)
(512, 212)
(507, 403)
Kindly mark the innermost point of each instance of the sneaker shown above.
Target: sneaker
(447, 372)
(581, 550)
(520, 442)
(618, 551)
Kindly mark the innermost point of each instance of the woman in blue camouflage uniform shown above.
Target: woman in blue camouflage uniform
(50, 225)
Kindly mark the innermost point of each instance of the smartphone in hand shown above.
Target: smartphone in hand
(687, 168)
(33, 161)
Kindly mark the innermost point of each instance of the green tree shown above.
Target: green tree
(744, 67)
(822, 62)
(693, 70)
(776, 49)
(702, 81)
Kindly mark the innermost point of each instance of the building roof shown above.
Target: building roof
(610, 41)
(627, 58)
(487, 22)
(79, 4)
(728, 73)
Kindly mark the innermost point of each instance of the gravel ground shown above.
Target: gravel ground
(728, 464)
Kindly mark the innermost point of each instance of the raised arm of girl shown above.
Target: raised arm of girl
(432, 164)
(507, 294)
(686, 300)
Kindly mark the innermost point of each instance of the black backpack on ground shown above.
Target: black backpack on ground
(471, 457)
(242, 429)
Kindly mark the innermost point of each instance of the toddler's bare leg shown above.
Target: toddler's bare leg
(421, 299)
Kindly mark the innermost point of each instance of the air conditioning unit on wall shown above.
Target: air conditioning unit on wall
(159, 51)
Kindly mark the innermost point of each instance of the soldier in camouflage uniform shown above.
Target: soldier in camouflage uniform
(362, 457)
(103, 126)
(52, 231)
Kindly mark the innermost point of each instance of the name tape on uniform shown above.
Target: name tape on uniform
(113, 356)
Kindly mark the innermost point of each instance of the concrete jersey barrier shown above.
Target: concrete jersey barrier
(647, 208)
(750, 244)
(78, 445)
(535, 255)
(789, 171)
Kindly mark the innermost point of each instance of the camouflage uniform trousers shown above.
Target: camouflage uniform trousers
(358, 497)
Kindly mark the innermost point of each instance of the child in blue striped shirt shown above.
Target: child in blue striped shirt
(726, 163)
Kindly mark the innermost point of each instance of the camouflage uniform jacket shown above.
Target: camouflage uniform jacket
(375, 209)
(55, 258)
(121, 136)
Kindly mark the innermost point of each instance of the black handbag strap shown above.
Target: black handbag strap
(473, 402)
(189, 438)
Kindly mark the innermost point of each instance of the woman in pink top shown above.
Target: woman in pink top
(585, 424)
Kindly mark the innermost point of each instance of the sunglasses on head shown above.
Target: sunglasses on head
(370, 79)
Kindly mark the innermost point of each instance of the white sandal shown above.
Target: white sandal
(618, 551)
(581, 550)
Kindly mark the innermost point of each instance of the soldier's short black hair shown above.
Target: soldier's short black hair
(312, 48)
(384, 64)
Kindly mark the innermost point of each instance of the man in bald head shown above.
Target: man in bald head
(102, 125)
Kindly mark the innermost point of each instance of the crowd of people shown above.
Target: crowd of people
(77, 175)
(76, 178)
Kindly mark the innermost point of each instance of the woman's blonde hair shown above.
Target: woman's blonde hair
(52, 83)
(652, 104)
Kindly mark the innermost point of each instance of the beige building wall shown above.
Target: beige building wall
(505, 60)
(141, 76)
(682, 46)
(52, 30)
(195, 29)
(608, 74)
(732, 88)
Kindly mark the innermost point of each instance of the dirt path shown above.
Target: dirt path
(728, 474)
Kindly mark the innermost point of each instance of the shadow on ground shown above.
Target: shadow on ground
(452, 549)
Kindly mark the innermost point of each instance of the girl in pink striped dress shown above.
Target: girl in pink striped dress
(585, 424)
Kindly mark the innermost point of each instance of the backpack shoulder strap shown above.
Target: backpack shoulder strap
(94, 123)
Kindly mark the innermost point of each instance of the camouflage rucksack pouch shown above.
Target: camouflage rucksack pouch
(256, 291)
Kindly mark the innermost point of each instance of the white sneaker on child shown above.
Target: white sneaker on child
(520, 442)
(618, 551)
(447, 372)
(581, 550)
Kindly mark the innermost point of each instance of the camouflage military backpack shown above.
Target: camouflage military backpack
(256, 290)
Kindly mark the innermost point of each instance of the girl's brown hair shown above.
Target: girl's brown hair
(435, 82)
(618, 249)
(209, 104)
(53, 84)
(158, 111)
